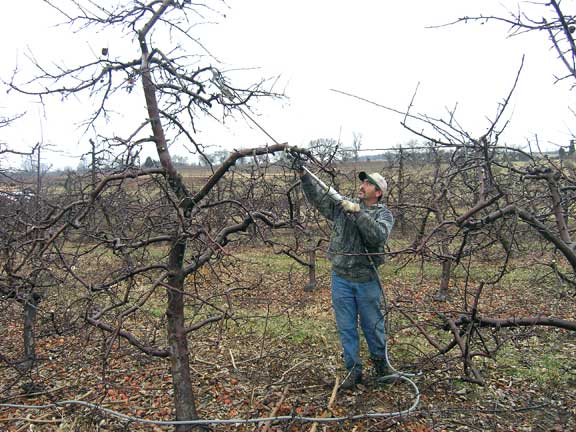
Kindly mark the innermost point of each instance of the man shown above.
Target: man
(360, 229)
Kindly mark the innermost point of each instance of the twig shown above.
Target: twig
(36, 393)
(418, 327)
(232, 358)
(286, 372)
(276, 408)
(28, 419)
(330, 403)
(207, 363)
(411, 101)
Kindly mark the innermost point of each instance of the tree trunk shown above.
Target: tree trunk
(184, 400)
(312, 284)
(442, 294)
(30, 309)
(557, 207)
(400, 203)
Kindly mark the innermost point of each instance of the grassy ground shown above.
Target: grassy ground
(280, 356)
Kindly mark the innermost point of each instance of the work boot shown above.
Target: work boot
(383, 372)
(353, 378)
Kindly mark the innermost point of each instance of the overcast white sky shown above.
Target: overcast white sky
(378, 50)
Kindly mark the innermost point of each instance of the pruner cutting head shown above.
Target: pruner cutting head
(297, 162)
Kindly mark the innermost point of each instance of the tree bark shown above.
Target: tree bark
(519, 322)
(400, 202)
(442, 294)
(30, 309)
(312, 284)
(184, 399)
(559, 214)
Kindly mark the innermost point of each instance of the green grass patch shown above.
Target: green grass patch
(316, 330)
(282, 263)
(432, 271)
(415, 270)
(536, 363)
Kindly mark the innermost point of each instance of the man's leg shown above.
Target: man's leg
(372, 320)
(346, 312)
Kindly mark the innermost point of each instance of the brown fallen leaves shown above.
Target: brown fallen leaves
(251, 369)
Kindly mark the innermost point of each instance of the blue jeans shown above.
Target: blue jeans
(353, 300)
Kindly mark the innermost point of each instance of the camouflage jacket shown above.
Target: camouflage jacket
(352, 234)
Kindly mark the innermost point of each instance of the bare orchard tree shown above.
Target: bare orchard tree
(484, 204)
(22, 281)
(490, 203)
(8, 150)
(22, 200)
(356, 144)
(327, 150)
(149, 228)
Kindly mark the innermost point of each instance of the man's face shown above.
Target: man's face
(369, 193)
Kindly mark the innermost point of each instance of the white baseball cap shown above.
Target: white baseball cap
(376, 179)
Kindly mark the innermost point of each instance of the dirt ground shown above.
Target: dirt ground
(280, 358)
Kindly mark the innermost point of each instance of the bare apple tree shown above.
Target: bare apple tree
(120, 236)
(491, 202)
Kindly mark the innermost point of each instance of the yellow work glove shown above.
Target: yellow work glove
(350, 207)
